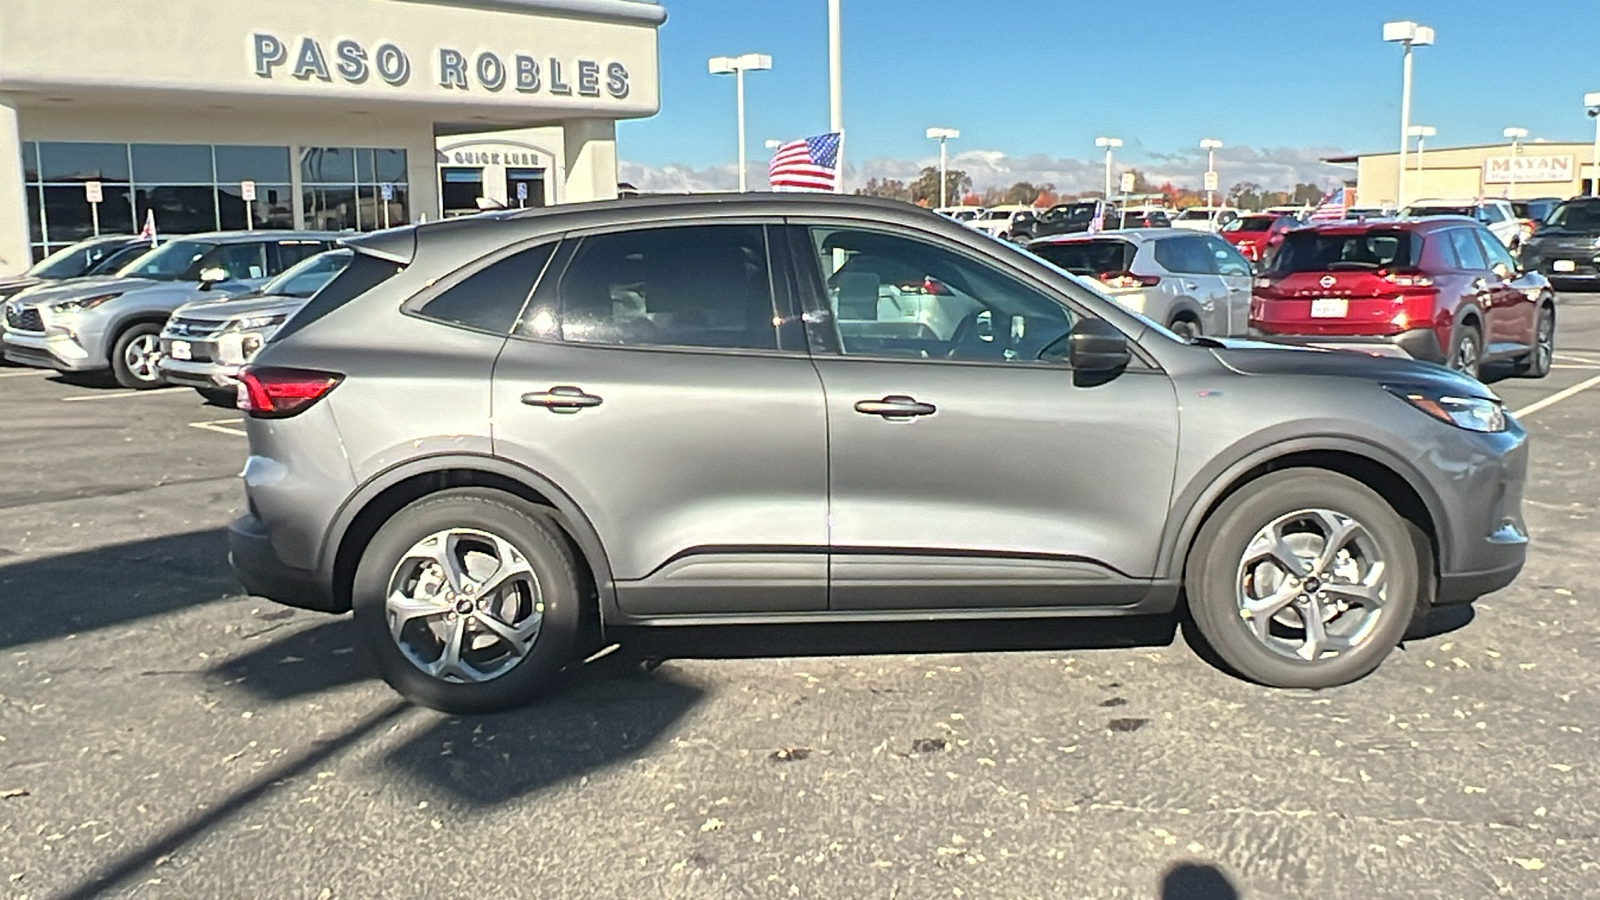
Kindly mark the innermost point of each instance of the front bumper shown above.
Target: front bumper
(202, 375)
(263, 574)
(49, 351)
(1418, 343)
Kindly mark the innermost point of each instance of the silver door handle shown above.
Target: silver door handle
(562, 399)
(896, 407)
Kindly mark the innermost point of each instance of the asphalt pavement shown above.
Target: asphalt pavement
(163, 736)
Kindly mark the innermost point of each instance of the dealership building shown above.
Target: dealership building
(332, 114)
(1525, 171)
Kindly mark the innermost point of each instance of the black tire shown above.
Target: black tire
(1538, 361)
(132, 362)
(1466, 351)
(1185, 327)
(1214, 571)
(556, 581)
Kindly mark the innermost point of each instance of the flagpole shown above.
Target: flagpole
(836, 87)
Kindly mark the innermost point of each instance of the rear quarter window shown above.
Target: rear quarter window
(363, 274)
(491, 298)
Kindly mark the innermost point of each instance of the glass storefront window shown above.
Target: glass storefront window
(259, 164)
(180, 209)
(71, 161)
(172, 164)
(328, 165)
(68, 218)
(35, 224)
(30, 161)
(330, 207)
(376, 213)
(272, 209)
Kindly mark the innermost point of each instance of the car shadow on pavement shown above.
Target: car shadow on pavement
(55, 596)
(1197, 881)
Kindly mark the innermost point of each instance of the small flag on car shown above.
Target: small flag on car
(148, 232)
(1332, 207)
(809, 164)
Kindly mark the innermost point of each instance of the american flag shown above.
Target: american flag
(148, 232)
(809, 164)
(1332, 207)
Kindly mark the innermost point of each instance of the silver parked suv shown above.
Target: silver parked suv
(789, 408)
(113, 322)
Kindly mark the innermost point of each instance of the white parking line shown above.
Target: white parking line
(113, 395)
(1578, 359)
(1589, 368)
(26, 373)
(1555, 398)
(220, 426)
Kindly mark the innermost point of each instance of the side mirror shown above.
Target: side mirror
(1097, 347)
(211, 276)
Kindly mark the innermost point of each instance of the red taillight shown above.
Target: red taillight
(274, 393)
(1407, 278)
(1416, 310)
(1127, 280)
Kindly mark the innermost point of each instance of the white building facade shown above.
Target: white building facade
(334, 114)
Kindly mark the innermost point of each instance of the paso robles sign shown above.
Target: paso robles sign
(1526, 169)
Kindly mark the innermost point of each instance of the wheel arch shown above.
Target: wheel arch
(1390, 477)
(390, 491)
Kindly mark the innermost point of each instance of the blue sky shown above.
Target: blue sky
(1030, 83)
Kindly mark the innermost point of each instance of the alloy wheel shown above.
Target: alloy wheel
(141, 356)
(1465, 359)
(464, 605)
(1311, 585)
(1545, 348)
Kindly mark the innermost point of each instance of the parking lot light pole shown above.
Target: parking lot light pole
(836, 85)
(1110, 143)
(1407, 34)
(737, 66)
(941, 135)
(1591, 103)
(1421, 133)
(1516, 135)
(1210, 145)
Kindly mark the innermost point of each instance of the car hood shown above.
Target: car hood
(252, 305)
(1258, 358)
(75, 288)
(17, 284)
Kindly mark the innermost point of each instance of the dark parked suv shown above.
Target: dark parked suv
(1566, 247)
(787, 408)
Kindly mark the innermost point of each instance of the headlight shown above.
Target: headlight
(82, 303)
(1471, 413)
(252, 323)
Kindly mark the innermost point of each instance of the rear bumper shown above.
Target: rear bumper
(1418, 343)
(265, 575)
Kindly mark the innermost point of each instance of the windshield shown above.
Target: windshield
(71, 262)
(124, 255)
(1251, 223)
(176, 261)
(1090, 258)
(1316, 251)
(1576, 215)
(1193, 213)
(996, 214)
(1417, 212)
(309, 275)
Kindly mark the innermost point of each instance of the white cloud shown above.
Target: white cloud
(1271, 167)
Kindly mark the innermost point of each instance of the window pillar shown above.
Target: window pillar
(591, 160)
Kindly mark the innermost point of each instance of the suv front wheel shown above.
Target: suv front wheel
(134, 356)
(1303, 578)
(467, 601)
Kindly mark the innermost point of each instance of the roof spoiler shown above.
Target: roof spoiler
(396, 245)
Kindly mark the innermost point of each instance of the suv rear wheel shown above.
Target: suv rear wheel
(134, 356)
(1303, 578)
(467, 601)
(1466, 354)
(1537, 363)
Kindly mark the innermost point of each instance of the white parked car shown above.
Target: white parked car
(1494, 214)
(960, 213)
(1205, 218)
(1009, 222)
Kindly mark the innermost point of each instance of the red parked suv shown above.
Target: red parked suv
(1254, 234)
(1440, 289)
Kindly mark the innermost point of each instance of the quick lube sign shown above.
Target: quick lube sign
(307, 59)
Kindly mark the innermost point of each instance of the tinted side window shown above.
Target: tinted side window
(1495, 251)
(1492, 213)
(1467, 249)
(491, 298)
(899, 297)
(240, 261)
(1184, 255)
(291, 252)
(695, 286)
(1225, 259)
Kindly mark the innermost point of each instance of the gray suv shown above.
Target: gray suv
(767, 408)
(113, 322)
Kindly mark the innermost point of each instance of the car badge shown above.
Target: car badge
(1327, 281)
